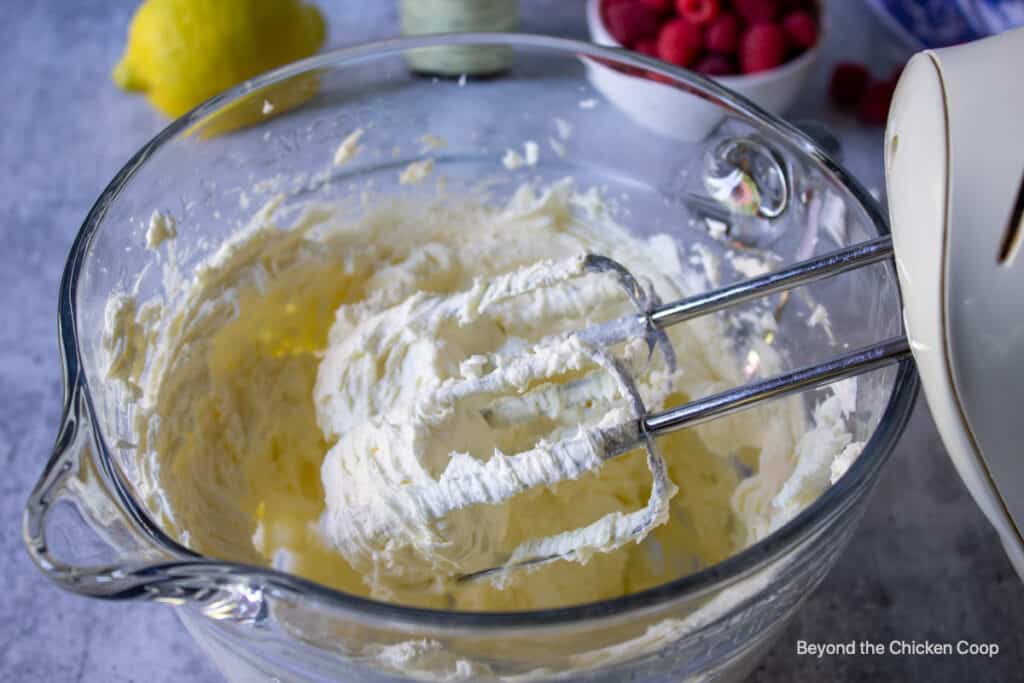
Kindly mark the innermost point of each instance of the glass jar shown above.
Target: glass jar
(420, 17)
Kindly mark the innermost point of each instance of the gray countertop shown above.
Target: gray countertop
(924, 564)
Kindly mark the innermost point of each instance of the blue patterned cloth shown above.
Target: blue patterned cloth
(937, 23)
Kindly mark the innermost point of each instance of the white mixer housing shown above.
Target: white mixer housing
(954, 154)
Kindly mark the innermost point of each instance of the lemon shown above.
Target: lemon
(181, 52)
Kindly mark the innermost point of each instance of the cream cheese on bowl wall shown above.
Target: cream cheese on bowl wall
(260, 396)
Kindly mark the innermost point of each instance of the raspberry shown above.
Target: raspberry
(848, 83)
(874, 106)
(647, 46)
(762, 47)
(658, 5)
(680, 42)
(608, 4)
(629, 22)
(699, 12)
(659, 78)
(716, 65)
(723, 36)
(801, 28)
(757, 11)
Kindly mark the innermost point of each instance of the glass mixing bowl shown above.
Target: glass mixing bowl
(88, 531)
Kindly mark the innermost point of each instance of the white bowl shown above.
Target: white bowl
(667, 110)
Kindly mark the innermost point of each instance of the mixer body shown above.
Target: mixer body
(955, 177)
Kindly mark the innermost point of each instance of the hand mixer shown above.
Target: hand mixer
(955, 174)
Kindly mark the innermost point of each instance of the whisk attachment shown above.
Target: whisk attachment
(644, 299)
(564, 378)
(468, 481)
(596, 416)
(701, 410)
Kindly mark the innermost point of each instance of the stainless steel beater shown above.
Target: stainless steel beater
(624, 438)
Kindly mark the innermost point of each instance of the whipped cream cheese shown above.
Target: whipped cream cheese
(313, 360)
(161, 228)
(513, 160)
(416, 172)
(421, 399)
(348, 148)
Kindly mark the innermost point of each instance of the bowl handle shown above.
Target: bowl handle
(74, 530)
(83, 538)
(83, 531)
